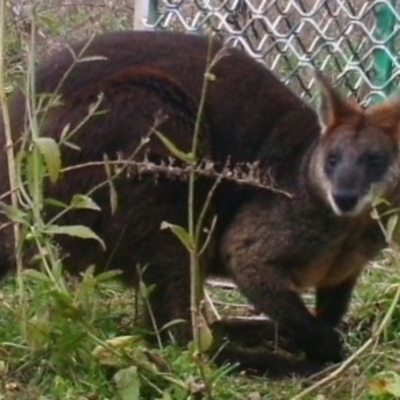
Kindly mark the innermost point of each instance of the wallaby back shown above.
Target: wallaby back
(273, 245)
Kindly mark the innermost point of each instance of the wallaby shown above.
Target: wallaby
(332, 163)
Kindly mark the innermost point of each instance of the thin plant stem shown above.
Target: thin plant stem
(195, 279)
(11, 166)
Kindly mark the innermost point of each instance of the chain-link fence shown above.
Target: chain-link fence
(355, 42)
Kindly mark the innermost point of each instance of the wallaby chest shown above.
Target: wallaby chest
(344, 256)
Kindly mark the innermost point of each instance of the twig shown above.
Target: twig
(205, 169)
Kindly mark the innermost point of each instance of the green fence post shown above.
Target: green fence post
(383, 64)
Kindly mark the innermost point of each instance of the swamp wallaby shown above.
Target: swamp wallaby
(333, 163)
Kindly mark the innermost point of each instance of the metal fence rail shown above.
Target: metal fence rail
(355, 42)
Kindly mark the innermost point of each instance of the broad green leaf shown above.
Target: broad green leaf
(36, 275)
(13, 213)
(391, 226)
(52, 156)
(128, 384)
(55, 203)
(82, 201)
(79, 231)
(386, 384)
(108, 276)
(205, 336)
(394, 389)
(180, 233)
(188, 158)
(35, 173)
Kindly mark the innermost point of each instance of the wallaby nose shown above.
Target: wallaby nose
(346, 200)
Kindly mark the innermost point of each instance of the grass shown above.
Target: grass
(63, 367)
(53, 353)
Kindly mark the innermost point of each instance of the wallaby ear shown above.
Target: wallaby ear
(387, 115)
(333, 108)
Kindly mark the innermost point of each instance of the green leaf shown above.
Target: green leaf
(38, 333)
(66, 305)
(113, 192)
(13, 213)
(62, 298)
(117, 351)
(128, 384)
(172, 323)
(36, 275)
(108, 276)
(205, 336)
(71, 145)
(380, 200)
(55, 203)
(188, 158)
(391, 226)
(79, 231)
(384, 384)
(88, 274)
(35, 173)
(180, 233)
(91, 59)
(82, 201)
(52, 156)
(113, 198)
(210, 76)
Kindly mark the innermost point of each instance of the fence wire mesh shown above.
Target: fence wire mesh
(343, 38)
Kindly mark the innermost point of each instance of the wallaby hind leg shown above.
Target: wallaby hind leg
(270, 291)
(320, 342)
(168, 294)
(332, 302)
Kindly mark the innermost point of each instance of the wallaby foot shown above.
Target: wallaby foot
(253, 344)
(253, 333)
(273, 365)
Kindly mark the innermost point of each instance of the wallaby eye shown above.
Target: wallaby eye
(333, 159)
(376, 161)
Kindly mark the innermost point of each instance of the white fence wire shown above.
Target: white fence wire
(355, 42)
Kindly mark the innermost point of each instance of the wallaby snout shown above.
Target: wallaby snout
(346, 199)
(352, 181)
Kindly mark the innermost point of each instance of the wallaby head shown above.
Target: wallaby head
(357, 157)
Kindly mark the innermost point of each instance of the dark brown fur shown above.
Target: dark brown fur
(273, 246)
